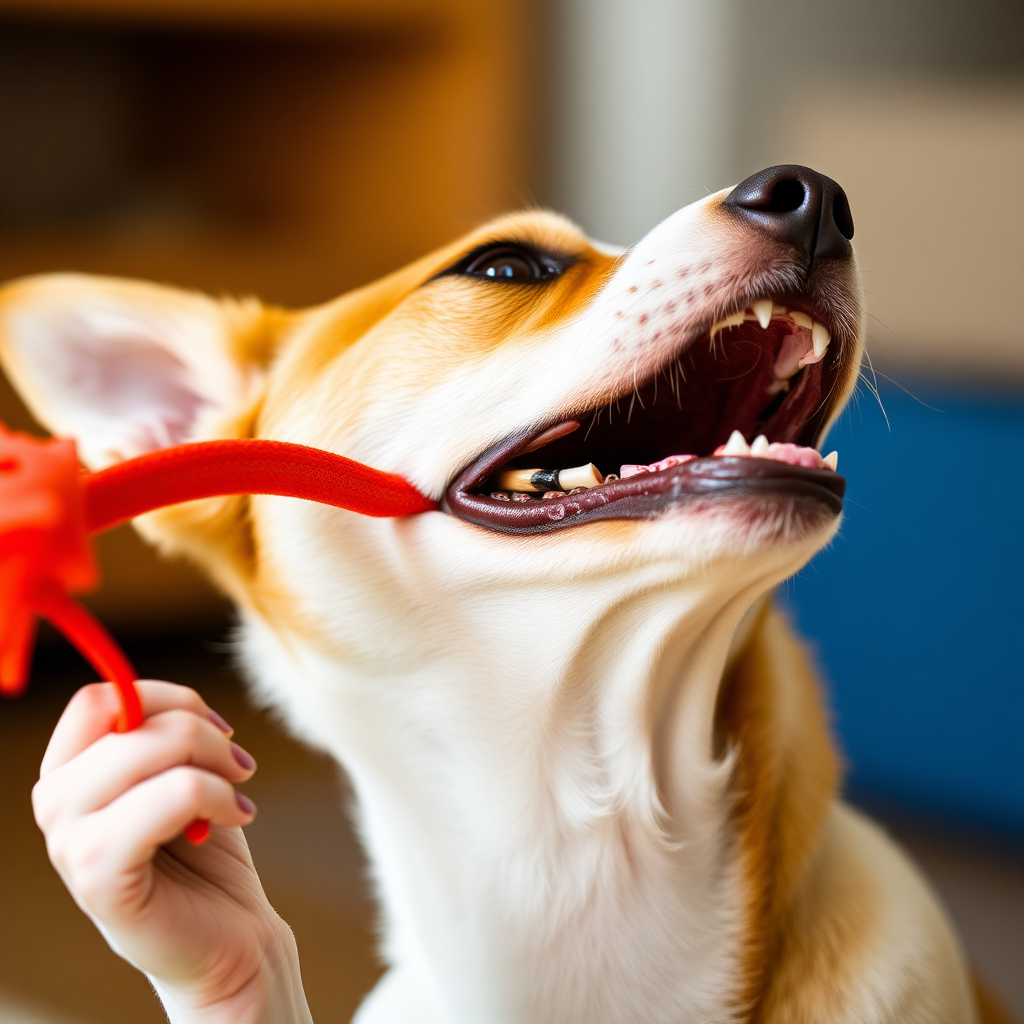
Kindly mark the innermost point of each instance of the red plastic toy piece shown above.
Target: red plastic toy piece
(44, 544)
(49, 507)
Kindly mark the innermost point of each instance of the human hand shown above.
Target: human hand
(195, 919)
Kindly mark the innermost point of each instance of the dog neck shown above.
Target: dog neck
(547, 818)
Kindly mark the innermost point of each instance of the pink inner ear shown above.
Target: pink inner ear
(137, 390)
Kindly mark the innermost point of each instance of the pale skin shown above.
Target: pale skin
(194, 919)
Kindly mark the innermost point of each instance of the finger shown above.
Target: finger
(102, 848)
(93, 711)
(118, 761)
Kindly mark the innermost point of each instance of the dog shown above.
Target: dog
(594, 776)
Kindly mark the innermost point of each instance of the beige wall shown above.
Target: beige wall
(915, 106)
(935, 176)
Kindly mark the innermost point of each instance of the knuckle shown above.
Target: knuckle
(93, 698)
(185, 729)
(189, 785)
(184, 697)
(193, 701)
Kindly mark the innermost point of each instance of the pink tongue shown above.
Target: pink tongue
(794, 454)
(655, 467)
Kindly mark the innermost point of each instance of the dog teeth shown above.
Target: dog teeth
(732, 320)
(820, 337)
(784, 451)
(582, 476)
(736, 445)
(540, 481)
(763, 311)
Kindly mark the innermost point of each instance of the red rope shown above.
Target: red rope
(97, 646)
(244, 466)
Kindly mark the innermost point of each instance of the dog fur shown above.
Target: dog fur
(594, 776)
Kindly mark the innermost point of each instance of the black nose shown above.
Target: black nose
(798, 206)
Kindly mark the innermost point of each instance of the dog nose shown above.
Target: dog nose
(796, 205)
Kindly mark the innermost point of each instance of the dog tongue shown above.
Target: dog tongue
(655, 467)
(794, 454)
(784, 451)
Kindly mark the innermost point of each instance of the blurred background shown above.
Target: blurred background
(296, 148)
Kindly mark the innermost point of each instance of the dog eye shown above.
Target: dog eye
(510, 264)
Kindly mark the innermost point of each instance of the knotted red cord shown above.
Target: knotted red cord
(49, 507)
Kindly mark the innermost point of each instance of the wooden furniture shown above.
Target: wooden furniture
(290, 149)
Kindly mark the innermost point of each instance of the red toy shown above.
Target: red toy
(49, 507)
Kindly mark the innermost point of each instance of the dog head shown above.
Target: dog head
(522, 346)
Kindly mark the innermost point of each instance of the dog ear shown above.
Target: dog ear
(125, 367)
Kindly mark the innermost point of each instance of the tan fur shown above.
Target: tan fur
(786, 777)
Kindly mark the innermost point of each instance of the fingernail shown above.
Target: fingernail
(218, 721)
(245, 805)
(243, 757)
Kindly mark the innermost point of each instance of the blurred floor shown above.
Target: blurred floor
(55, 969)
(981, 883)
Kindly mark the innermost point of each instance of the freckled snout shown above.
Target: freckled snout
(798, 206)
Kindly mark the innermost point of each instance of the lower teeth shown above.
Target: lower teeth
(528, 484)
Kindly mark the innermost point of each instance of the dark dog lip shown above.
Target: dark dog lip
(639, 497)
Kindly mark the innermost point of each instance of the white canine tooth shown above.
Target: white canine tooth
(736, 445)
(760, 449)
(820, 338)
(832, 461)
(763, 311)
(801, 319)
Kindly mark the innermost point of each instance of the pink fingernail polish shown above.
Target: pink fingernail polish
(243, 757)
(245, 805)
(224, 726)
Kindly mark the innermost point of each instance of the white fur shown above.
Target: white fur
(612, 893)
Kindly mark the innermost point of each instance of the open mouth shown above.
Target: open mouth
(736, 413)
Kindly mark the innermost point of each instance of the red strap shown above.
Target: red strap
(244, 466)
